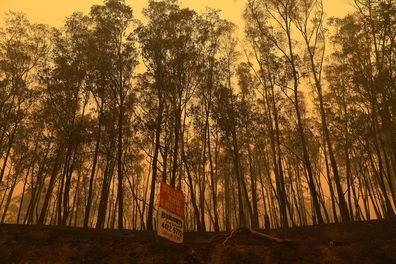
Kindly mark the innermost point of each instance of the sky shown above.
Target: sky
(54, 12)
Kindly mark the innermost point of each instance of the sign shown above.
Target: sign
(171, 213)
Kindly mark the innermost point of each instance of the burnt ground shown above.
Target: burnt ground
(369, 242)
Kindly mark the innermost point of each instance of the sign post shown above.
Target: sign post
(171, 213)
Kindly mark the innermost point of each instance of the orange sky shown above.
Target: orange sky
(53, 12)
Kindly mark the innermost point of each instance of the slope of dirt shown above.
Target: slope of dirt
(370, 242)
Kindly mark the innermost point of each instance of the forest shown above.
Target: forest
(290, 123)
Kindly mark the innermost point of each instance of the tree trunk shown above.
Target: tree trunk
(51, 184)
(93, 170)
(155, 161)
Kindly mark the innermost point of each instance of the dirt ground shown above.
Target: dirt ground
(369, 242)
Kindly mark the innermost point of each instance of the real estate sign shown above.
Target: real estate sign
(171, 213)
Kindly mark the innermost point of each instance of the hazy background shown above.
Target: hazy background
(54, 12)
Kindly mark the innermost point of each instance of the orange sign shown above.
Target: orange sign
(171, 199)
(171, 213)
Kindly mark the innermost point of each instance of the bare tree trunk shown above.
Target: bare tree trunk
(24, 183)
(176, 143)
(10, 143)
(10, 193)
(192, 191)
(61, 185)
(214, 191)
(51, 184)
(253, 186)
(120, 191)
(93, 170)
(155, 161)
(66, 209)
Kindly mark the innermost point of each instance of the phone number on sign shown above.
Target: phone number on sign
(169, 228)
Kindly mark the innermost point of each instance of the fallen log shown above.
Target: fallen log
(265, 236)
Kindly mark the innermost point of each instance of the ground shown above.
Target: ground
(368, 242)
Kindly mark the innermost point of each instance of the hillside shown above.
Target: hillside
(370, 242)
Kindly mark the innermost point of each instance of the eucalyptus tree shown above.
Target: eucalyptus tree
(366, 90)
(183, 52)
(263, 47)
(378, 24)
(277, 22)
(112, 24)
(23, 48)
(212, 29)
(169, 50)
(21, 163)
(308, 18)
(227, 115)
(64, 108)
(247, 83)
(152, 38)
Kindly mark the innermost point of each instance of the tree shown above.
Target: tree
(112, 22)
